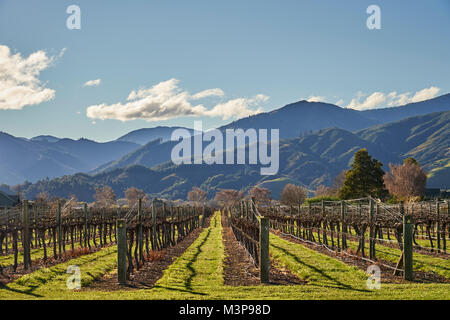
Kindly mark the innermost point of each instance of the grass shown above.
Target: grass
(421, 262)
(198, 274)
(51, 282)
(317, 269)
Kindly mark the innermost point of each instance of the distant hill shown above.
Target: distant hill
(426, 138)
(22, 159)
(146, 135)
(47, 156)
(384, 115)
(149, 155)
(45, 139)
(294, 120)
(311, 160)
(303, 117)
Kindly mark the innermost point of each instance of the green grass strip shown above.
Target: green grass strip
(316, 268)
(51, 282)
(198, 274)
(421, 262)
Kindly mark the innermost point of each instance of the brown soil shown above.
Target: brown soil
(239, 269)
(8, 275)
(386, 273)
(150, 272)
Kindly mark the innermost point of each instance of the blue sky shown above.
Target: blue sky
(283, 51)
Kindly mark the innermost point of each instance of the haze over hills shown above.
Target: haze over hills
(310, 160)
(384, 115)
(146, 135)
(47, 156)
(32, 159)
(293, 120)
(304, 116)
(45, 138)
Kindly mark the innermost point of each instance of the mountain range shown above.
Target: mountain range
(313, 159)
(319, 139)
(297, 119)
(37, 158)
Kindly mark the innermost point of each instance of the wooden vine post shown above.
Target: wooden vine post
(140, 237)
(344, 227)
(264, 249)
(25, 235)
(324, 223)
(444, 241)
(371, 231)
(203, 216)
(121, 228)
(85, 211)
(7, 228)
(154, 223)
(407, 246)
(59, 227)
(438, 226)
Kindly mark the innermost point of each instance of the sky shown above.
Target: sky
(138, 64)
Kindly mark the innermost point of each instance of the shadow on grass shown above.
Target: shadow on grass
(28, 292)
(338, 284)
(179, 290)
(188, 282)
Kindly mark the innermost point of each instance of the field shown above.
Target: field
(200, 273)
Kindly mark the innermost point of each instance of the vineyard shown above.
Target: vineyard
(184, 251)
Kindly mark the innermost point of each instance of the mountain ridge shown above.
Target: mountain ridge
(51, 156)
(310, 160)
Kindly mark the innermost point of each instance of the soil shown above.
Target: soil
(239, 269)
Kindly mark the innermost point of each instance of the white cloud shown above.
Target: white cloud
(374, 100)
(238, 108)
(316, 99)
(392, 99)
(425, 94)
(19, 79)
(208, 93)
(340, 102)
(92, 83)
(61, 53)
(166, 100)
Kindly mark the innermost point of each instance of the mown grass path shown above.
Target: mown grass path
(198, 274)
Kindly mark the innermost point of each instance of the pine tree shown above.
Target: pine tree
(365, 178)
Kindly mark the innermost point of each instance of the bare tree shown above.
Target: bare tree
(228, 197)
(324, 191)
(104, 197)
(133, 195)
(338, 182)
(197, 196)
(407, 180)
(262, 195)
(42, 198)
(293, 195)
